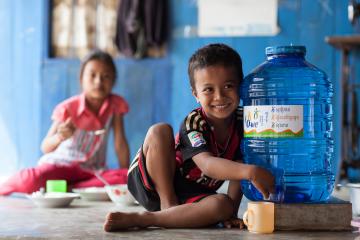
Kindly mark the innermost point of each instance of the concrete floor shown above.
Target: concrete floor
(20, 219)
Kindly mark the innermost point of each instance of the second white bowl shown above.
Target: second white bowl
(120, 194)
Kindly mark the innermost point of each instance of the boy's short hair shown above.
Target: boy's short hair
(212, 55)
(101, 56)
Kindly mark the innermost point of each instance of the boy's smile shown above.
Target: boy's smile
(216, 88)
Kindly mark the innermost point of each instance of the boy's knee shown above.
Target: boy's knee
(160, 134)
(160, 130)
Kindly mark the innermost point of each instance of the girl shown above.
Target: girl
(75, 146)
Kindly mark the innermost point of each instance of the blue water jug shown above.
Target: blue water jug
(288, 126)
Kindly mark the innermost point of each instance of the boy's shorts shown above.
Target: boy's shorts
(142, 188)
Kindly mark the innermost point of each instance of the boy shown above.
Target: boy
(177, 183)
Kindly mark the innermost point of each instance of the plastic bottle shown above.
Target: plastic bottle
(288, 125)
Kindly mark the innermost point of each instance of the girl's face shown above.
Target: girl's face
(97, 80)
(216, 89)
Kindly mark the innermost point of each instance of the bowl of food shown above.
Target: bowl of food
(52, 199)
(120, 194)
(92, 193)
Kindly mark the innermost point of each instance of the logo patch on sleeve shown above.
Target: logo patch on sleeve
(196, 138)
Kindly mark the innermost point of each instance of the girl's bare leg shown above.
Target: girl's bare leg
(159, 151)
(210, 210)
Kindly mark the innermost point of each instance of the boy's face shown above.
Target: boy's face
(97, 80)
(216, 89)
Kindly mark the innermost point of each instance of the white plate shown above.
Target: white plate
(53, 200)
(92, 193)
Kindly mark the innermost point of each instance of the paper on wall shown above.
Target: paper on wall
(237, 18)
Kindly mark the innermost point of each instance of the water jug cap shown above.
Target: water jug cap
(285, 49)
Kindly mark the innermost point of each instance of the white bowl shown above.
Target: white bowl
(53, 199)
(92, 193)
(120, 194)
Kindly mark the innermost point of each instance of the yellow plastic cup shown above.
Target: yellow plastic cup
(56, 186)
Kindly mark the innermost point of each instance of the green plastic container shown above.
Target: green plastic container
(56, 186)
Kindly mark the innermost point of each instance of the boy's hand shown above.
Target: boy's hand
(65, 129)
(234, 223)
(263, 180)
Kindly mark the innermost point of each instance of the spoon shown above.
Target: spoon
(101, 179)
(99, 131)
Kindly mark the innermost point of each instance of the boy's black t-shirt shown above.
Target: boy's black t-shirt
(196, 136)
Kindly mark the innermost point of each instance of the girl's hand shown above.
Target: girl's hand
(234, 223)
(65, 130)
(263, 180)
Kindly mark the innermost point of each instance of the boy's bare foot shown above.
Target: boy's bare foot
(121, 221)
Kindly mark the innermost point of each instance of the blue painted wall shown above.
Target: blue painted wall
(157, 90)
(20, 66)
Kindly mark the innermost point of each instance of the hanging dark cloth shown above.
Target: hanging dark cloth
(129, 37)
(141, 24)
(156, 22)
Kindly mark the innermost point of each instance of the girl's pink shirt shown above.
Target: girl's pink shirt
(81, 116)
